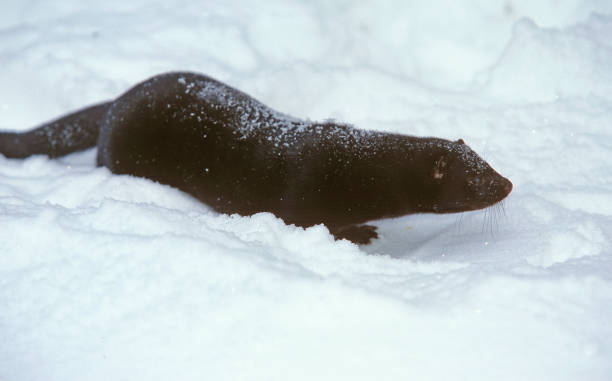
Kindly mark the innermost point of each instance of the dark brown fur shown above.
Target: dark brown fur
(239, 156)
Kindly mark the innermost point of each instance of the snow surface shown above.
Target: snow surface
(107, 277)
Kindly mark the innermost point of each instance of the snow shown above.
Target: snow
(112, 277)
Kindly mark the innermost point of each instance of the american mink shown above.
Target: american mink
(239, 156)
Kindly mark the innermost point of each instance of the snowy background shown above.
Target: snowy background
(107, 277)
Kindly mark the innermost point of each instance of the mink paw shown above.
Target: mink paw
(359, 234)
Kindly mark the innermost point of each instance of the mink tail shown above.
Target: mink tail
(74, 132)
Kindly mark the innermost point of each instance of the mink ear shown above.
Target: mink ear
(460, 141)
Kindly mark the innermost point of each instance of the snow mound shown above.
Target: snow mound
(541, 65)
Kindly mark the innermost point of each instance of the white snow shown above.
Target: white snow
(106, 277)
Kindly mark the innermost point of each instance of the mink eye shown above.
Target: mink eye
(440, 165)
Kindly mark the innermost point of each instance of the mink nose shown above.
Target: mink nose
(507, 187)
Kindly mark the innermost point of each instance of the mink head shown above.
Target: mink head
(456, 179)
